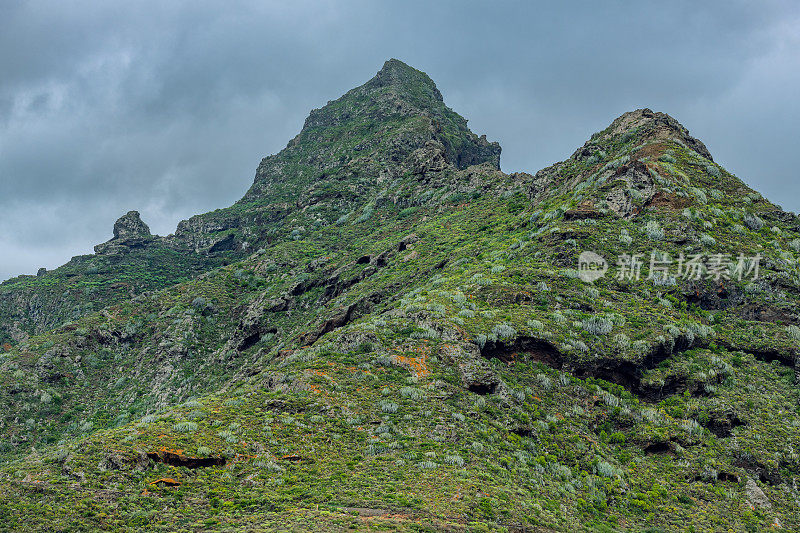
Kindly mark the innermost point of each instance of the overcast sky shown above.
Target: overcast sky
(167, 109)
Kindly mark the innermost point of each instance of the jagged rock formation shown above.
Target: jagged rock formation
(389, 327)
(129, 232)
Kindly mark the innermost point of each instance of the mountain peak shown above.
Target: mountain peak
(384, 125)
(654, 125)
(397, 90)
(399, 75)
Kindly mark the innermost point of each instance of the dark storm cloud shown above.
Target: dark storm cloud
(168, 108)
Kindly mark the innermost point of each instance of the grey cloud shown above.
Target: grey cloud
(168, 107)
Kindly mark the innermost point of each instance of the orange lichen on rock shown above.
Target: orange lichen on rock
(168, 481)
(417, 364)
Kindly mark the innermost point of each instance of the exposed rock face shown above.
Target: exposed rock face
(130, 226)
(397, 112)
(476, 374)
(129, 232)
(635, 177)
(756, 496)
(430, 158)
(658, 126)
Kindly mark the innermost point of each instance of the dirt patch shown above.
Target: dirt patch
(652, 151)
(663, 200)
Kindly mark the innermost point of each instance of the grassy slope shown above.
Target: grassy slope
(376, 410)
(333, 371)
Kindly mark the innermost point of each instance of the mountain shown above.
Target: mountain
(345, 155)
(387, 331)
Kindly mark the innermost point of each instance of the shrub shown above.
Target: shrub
(654, 230)
(411, 393)
(699, 330)
(454, 460)
(542, 286)
(597, 325)
(707, 240)
(366, 214)
(692, 427)
(459, 298)
(228, 436)
(699, 194)
(622, 341)
(625, 238)
(793, 332)
(668, 158)
(203, 451)
(607, 469)
(388, 407)
(196, 415)
(480, 279)
(712, 170)
(480, 340)
(407, 212)
(426, 333)
(640, 347)
(436, 309)
(753, 222)
(543, 381)
(503, 332)
(535, 325)
(609, 399)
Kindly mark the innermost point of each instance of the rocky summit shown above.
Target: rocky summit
(388, 332)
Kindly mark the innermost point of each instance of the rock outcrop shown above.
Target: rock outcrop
(129, 232)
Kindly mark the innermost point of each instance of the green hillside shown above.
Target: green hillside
(389, 333)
